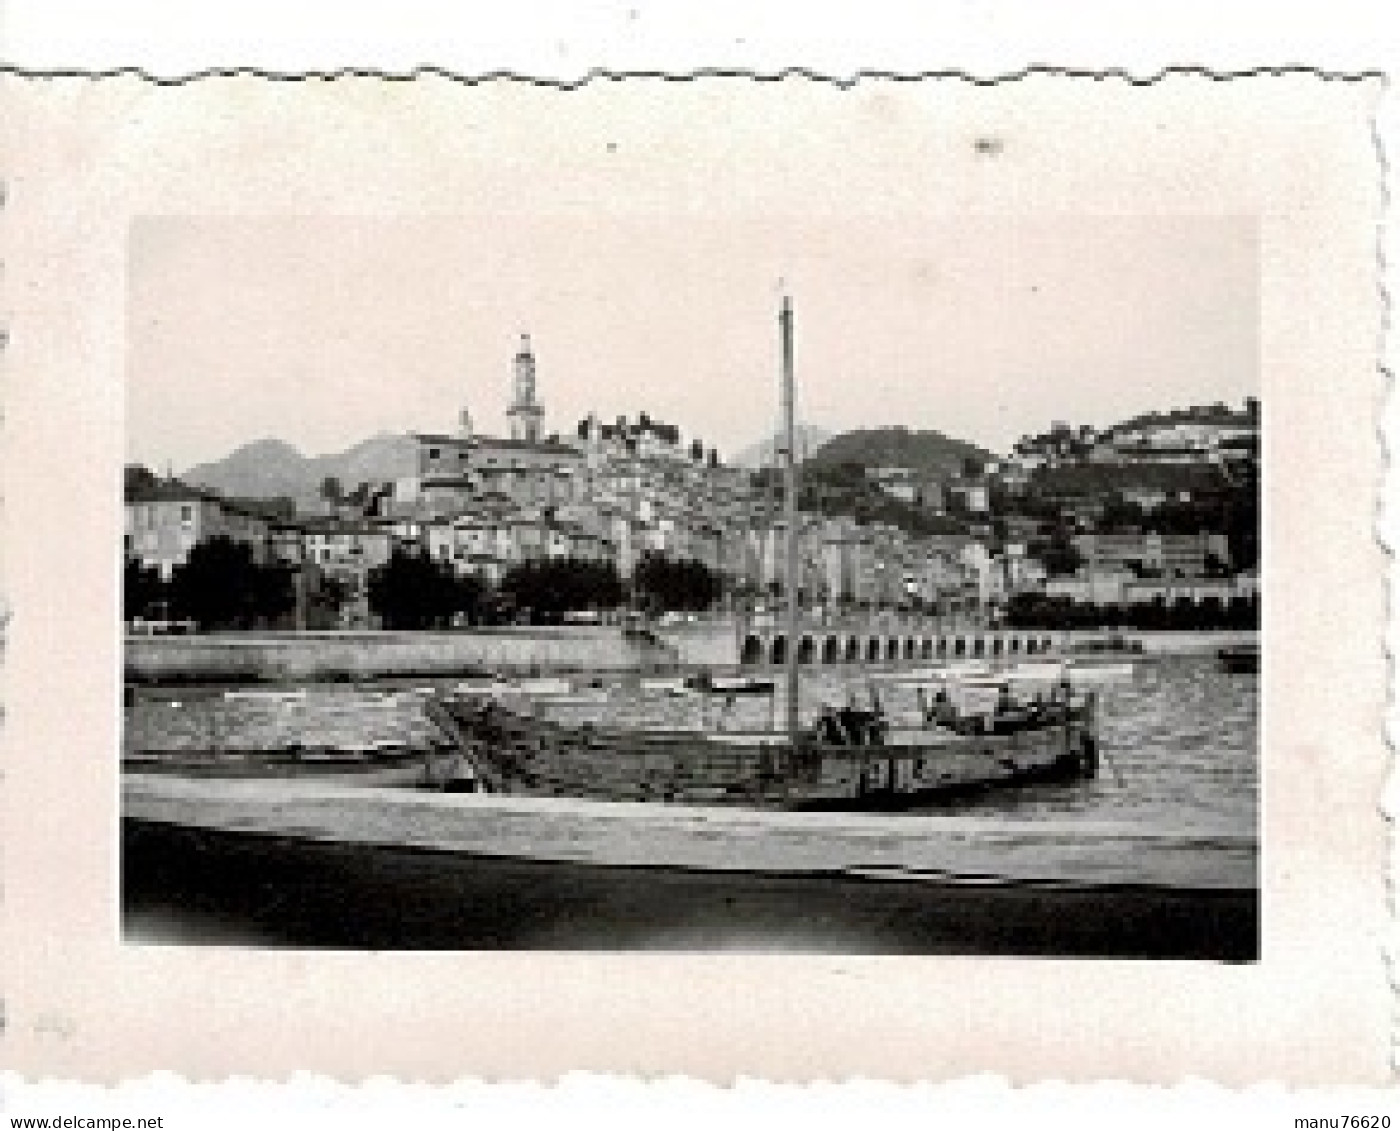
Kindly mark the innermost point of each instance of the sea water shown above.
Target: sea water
(1178, 737)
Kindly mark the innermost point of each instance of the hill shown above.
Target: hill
(268, 469)
(927, 451)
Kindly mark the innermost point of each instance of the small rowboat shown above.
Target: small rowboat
(729, 685)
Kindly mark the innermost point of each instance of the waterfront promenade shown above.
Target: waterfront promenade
(292, 657)
(308, 657)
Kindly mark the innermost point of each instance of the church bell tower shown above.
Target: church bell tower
(526, 414)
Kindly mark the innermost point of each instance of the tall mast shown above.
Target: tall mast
(790, 515)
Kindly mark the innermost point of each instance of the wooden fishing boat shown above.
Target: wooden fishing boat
(846, 757)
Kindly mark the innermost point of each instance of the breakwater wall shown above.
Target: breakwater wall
(724, 644)
(331, 656)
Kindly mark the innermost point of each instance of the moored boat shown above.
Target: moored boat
(975, 733)
(729, 685)
(1113, 644)
(849, 757)
(1238, 659)
(266, 695)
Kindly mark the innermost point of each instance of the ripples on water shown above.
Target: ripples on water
(1180, 750)
(1179, 739)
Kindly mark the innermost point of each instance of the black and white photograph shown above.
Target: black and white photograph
(699, 576)
(726, 576)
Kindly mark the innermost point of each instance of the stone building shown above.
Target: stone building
(166, 519)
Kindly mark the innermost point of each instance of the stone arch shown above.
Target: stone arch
(872, 650)
(752, 651)
(977, 646)
(910, 648)
(926, 650)
(852, 650)
(1031, 648)
(996, 645)
(960, 646)
(1045, 643)
(806, 650)
(1014, 644)
(779, 653)
(892, 648)
(942, 647)
(831, 650)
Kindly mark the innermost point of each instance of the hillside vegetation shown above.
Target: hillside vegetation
(927, 451)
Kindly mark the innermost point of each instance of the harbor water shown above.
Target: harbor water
(1178, 737)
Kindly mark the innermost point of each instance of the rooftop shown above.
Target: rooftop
(340, 526)
(552, 447)
(165, 491)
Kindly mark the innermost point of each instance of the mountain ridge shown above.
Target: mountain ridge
(272, 468)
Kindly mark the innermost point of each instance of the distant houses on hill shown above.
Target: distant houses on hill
(1163, 505)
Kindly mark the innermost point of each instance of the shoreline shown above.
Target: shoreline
(184, 885)
(705, 837)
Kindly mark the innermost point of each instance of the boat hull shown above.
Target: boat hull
(500, 751)
(1238, 661)
(403, 771)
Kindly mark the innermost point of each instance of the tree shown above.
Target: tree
(1240, 523)
(549, 588)
(142, 590)
(660, 583)
(697, 451)
(325, 594)
(412, 591)
(1059, 555)
(138, 479)
(1121, 514)
(330, 489)
(221, 585)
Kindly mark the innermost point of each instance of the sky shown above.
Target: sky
(648, 271)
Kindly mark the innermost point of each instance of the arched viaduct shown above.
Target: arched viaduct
(826, 646)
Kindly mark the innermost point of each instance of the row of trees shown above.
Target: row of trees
(1035, 610)
(413, 591)
(222, 586)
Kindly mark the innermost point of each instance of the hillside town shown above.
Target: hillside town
(1152, 522)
